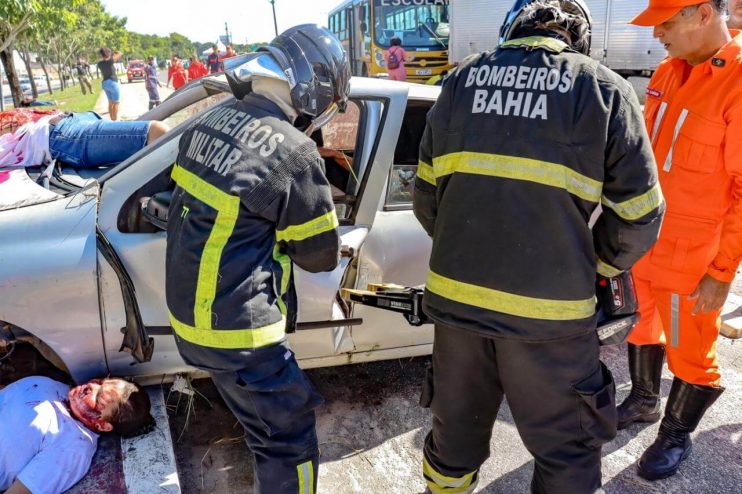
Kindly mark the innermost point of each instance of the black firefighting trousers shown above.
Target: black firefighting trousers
(561, 396)
(274, 401)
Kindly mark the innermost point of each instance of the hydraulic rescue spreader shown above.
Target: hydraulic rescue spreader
(617, 307)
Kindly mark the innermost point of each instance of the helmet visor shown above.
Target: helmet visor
(260, 64)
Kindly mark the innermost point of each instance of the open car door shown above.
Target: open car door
(134, 201)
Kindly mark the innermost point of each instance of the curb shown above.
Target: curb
(149, 460)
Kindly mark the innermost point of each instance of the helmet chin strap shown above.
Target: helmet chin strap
(278, 92)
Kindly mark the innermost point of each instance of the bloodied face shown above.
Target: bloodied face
(94, 402)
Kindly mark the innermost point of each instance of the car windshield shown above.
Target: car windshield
(136, 65)
(418, 23)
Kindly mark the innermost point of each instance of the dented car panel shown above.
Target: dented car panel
(117, 302)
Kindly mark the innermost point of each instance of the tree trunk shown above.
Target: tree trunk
(27, 61)
(61, 77)
(46, 74)
(15, 84)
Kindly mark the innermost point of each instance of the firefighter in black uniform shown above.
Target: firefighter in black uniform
(521, 146)
(251, 197)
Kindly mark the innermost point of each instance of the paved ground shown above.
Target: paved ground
(371, 431)
(134, 98)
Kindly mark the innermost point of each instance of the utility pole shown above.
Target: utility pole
(226, 31)
(275, 24)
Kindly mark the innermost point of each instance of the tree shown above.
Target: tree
(16, 16)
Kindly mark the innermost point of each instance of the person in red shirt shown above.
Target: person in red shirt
(176, 73)
(196, 69)
(230, 52)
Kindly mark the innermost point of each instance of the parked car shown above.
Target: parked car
(135, 71)
(82, 271)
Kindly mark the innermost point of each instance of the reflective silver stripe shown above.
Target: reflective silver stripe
(306, 467)
(658, 120)
(678, 126)
(674, 320)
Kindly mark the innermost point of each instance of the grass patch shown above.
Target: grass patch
(72, 99)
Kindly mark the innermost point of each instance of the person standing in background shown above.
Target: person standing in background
(176, 73)
(213, 62)
(151, 83)
(196, 69)
(395, 57)
(110, 82)
(230, 52)
(83, 74)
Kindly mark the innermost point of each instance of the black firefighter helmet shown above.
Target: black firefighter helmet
(569, 18)
(310, 59)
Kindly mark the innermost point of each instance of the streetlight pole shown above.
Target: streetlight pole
(275, 24)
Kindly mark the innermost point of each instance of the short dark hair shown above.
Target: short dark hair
(395, 41)
(132, 417)
(105, 52)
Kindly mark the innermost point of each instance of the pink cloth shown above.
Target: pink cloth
(4, 176)
(398, 74)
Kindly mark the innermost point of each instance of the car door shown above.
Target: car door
(397, 249)
(141, 246)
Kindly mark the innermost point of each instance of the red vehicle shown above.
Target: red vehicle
(135, 71)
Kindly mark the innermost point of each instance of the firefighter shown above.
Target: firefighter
(694, 115)
(521, 146)
(251, 198)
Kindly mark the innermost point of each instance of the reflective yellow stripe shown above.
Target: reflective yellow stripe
(607, 270)
(439, 483)
(285, 262)
(508, 303)
(425, 172)
(227, 208)
(305, 472)
(231, 338)
(516, 168)
(321, 224)
(638, 206)
(537, 41)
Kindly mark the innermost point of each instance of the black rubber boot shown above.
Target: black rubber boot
(643, 403)
(685, 408)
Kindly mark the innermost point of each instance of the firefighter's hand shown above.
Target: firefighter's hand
(710, 294)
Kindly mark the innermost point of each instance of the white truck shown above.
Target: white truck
(627, 49)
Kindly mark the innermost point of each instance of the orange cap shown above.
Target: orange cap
(660, 11)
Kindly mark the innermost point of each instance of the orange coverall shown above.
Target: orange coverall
(694, 118)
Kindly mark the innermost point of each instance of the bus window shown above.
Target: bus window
(423, 24)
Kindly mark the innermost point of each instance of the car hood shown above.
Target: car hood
(18, 190)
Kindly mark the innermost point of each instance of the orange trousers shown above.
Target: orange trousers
(690, 340)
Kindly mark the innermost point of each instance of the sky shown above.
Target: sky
(249, 20)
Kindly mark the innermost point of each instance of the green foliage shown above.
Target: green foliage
(73, 100)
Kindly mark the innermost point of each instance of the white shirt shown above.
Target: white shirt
(40, 443)
(27, 146)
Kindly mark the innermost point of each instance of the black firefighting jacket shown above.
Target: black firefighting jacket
(521, 146)
(251, 196)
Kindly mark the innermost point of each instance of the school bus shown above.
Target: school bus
(365, 27)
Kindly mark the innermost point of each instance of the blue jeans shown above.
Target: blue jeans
(87, 141)
(112, 89)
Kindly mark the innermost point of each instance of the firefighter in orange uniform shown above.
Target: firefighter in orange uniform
(694, 118)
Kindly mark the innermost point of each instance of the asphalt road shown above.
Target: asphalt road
(371, 432)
